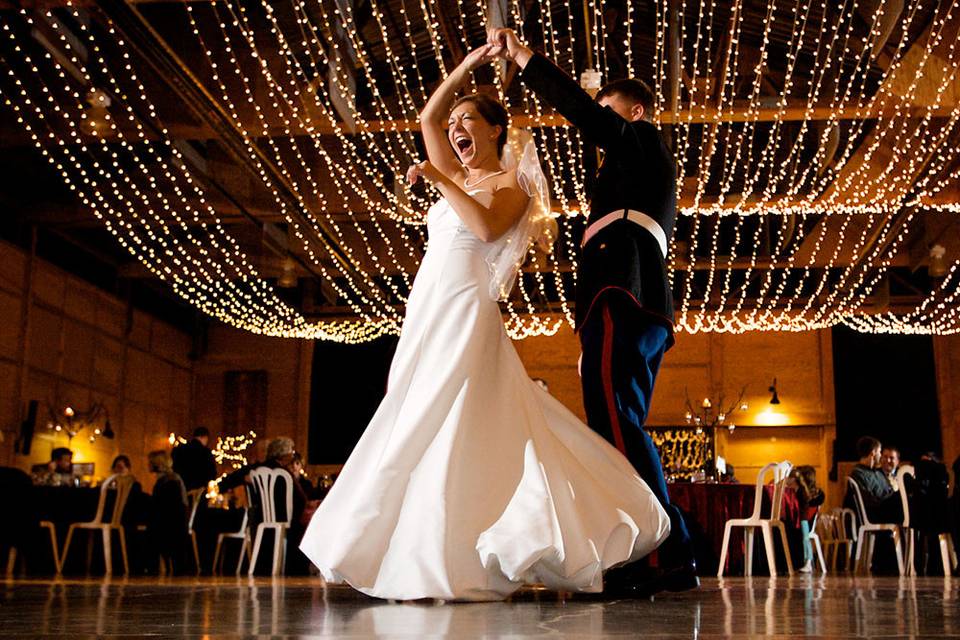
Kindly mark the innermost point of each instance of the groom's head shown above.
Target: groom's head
(630, 98)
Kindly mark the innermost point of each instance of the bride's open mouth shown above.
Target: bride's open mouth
(464, 146)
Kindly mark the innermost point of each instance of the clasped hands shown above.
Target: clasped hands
(501, 43)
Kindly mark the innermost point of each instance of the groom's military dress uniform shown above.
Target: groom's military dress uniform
(624, 304)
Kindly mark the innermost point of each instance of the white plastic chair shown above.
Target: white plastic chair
(122, 484)
(766, 525)
(264, 482)
(833, 533)
(867, 532)
(241, 534)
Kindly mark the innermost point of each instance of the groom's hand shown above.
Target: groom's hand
(510, 46)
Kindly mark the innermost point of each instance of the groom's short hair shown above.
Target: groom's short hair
(631, 89)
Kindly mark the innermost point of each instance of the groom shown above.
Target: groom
(624, 311)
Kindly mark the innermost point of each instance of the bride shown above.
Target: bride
(470, 480)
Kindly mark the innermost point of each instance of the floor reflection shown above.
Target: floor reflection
(827, 607)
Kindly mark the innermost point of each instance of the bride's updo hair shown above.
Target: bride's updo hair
(492, 111)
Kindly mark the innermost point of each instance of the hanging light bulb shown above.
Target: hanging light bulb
(96, 119)
(288, 279)
(938, 266)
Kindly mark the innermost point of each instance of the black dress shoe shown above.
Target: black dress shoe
(648, 583)
(682, 578)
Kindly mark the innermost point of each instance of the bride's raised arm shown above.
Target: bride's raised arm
(435, 113)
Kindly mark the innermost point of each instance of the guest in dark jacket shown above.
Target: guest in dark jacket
(882, 503)
(194, 461)
(168, 514)
(929, 507)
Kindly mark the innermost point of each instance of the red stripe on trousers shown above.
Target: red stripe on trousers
(606, 365)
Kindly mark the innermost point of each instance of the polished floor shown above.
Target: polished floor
(830, 607)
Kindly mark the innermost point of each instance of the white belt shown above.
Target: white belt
(637, 217)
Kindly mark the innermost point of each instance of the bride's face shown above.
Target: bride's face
(473, 139)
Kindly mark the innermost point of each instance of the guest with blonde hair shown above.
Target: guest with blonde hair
(167, 527)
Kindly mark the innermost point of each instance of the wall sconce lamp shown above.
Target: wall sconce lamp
(774, 399)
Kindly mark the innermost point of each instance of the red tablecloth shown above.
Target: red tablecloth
(711, 505)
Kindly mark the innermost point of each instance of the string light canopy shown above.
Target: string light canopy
(250, 155)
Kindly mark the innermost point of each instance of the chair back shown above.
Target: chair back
(264, 482)
(847, 516)
(780, 472)
(854, 489)
(903, 471)
(828, 527)
(194, 496)
(122, 485)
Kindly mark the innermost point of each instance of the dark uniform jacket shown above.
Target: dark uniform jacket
(637, 173)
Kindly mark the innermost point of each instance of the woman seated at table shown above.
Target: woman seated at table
(804, 481)
(168, 513)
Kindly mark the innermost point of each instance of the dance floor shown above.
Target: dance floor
(832, 607)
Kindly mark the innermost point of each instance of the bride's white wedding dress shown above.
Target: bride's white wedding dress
(471, 480)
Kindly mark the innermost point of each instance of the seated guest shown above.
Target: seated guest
(134, 513)
(121, 465)
(881, 502)
(168, 514)
(889, 463)
(929, 507)
(810, 496)
(194, 462)
(59, 471)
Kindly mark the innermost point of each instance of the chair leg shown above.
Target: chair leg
(277, 550)
(946, 555)
(723, 550)
(748, 557)
(898, 549)
(786, 547)
(11, 561)
(49, 526)
(123, 550)
(256, 549)
(815, 539)
(245, 552)
(216, 556)
(107, 552)
(767, 531)
(196, 552)
(953, 551)
(861, 540)
(66, 548)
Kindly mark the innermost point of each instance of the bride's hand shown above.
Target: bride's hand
(481, 56)
(424, 170)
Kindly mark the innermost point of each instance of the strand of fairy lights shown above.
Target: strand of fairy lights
(858, 279)
(230, 50)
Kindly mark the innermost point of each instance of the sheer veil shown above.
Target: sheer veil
(507, 254)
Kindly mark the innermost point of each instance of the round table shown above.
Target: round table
(708, 506)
